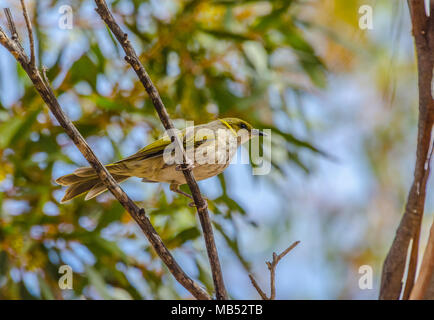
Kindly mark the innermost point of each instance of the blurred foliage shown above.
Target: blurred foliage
(264, 61)
(208, 59)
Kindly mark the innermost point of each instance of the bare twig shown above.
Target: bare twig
(30, 33)
(272, 268)
(11, 25)
(201, 205)
(13, 30)
(44, 75)
(11, 45)
(46, 93)
(424, 287)
(258, 288)
(409, 228)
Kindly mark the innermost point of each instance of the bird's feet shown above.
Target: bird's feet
(187, 166)
(175, 188)
(203, 207)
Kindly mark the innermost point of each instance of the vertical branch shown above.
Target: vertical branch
(409, 228)
(201, 205)
(424, 287)
(45, 91)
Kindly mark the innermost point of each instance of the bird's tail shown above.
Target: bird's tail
(85, 180)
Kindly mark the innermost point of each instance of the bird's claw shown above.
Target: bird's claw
(183, 167)
(175, 188)
(203, 207)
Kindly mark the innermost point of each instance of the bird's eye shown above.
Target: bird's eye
(243, 126)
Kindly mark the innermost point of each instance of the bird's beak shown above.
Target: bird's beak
(257, 132)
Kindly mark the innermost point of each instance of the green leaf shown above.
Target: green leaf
(233, 244)
(298, 142)
(270, 20)
(114, 213)
(84, 69)
(296, 159)
(8, 130)
(23, 129)
(312, 64)
(98, 282)
(182, 237)
(46, 292)
(204, 276)
(226, 35)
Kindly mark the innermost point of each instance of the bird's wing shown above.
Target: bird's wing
(156, 148)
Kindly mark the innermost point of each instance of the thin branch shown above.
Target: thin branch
(30, 33)
(201, 205)
(272, 268)
(409, 228)
(13, 30)
(424, 287)
(258, 288)
(11, 25)
(425, 282)
(46, 93)
(44, 75)
(12, 47)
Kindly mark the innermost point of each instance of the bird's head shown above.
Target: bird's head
(241, 128)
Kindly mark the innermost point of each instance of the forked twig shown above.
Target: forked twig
(272, 268)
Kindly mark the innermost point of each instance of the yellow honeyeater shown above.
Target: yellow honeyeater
(212, 155)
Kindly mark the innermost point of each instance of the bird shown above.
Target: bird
(211, 147)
